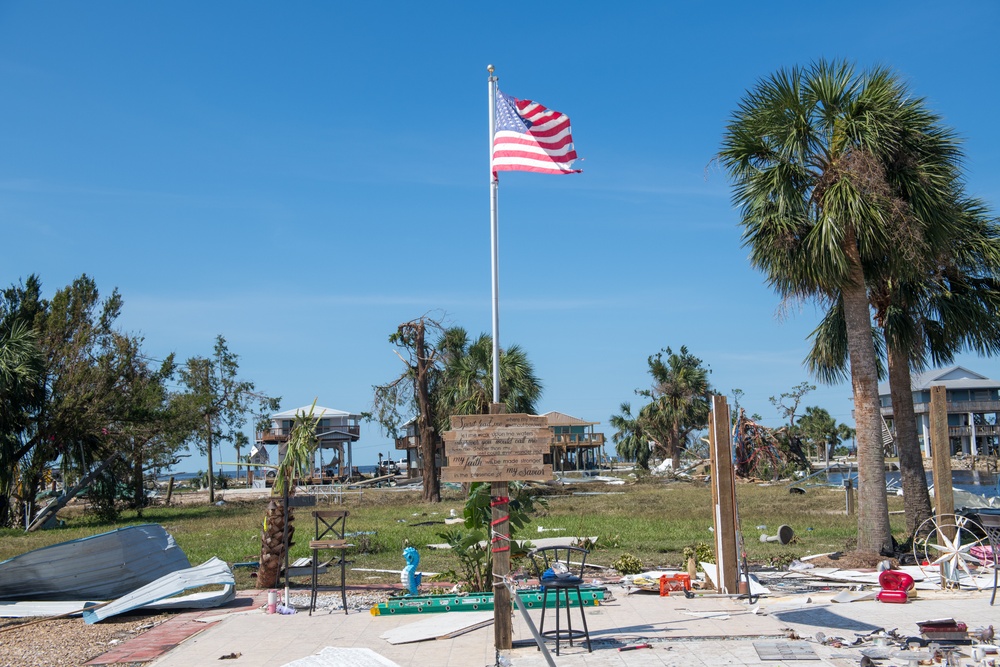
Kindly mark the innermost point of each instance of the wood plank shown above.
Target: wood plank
(944, 495)
(496, 473)
(500, 439)
(494, 420)
(497, 448)
(724, 494)
(504, 460)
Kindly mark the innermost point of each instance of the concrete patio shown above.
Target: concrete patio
(680, 631)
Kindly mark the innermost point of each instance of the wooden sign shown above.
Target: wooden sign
(538, 472)
(497, 448)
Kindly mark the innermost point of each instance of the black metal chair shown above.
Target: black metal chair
(991, 524)
(560, 569)
(330, 528)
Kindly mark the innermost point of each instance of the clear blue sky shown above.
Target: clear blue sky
(303, 177)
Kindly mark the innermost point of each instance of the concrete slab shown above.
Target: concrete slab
(682, 632)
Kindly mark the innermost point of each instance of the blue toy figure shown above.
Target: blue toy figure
(410, 577)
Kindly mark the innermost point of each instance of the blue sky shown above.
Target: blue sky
(303, 177)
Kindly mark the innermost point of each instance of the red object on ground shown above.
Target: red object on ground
(894, 586)
(893, 580)
(895, 597)
(674, 583)
(637, 646)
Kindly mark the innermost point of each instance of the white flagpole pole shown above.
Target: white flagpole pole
(494, 236)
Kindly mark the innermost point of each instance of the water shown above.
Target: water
(178, 476)
(973, 481)
(229, 471)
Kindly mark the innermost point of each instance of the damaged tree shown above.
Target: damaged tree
(759, 453)
(451, 376)
(279, 520)
(413, 387)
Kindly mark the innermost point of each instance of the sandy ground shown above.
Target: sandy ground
(68, 642)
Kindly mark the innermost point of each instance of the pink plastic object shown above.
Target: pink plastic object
(894, 586)
(893, 580)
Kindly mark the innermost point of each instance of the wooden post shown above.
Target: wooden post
(503, 626)
(944, 498)
(170, 489)
(724, 497)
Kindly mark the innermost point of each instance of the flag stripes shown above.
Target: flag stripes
(530, 137)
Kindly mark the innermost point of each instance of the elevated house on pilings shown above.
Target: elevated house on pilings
(575, 445)
(973, 409)
(336, 431)
(409, 443)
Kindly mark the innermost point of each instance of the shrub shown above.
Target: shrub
(628, 564)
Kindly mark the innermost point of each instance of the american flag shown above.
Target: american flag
(529, 137)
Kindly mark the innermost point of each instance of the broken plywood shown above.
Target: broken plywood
(440, 626)
(334, 656)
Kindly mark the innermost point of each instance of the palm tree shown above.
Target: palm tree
(680, 400)
(21, 367)
(949, 309)
(275, 539)
(629, 437)
(465, 384)
(839, 178)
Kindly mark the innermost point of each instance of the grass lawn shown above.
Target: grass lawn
(652, 520)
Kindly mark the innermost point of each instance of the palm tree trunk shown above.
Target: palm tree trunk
(675, 448)
(874, 535)
(272, 545)
(916, 499)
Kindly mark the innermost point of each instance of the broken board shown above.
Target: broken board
(335, 656)
(443, 626)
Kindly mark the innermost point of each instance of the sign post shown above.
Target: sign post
(498, 448)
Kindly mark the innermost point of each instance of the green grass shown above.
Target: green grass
(653, 521)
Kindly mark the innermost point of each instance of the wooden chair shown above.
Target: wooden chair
(991, 524)
(548, 564)
(330, 528)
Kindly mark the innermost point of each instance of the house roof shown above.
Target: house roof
(561, 419)
(952, 377)
(318, 411)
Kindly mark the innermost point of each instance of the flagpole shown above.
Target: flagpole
(494, 242)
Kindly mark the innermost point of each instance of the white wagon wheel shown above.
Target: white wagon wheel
(946, 542)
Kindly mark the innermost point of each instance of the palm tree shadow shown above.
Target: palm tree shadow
(823, 618)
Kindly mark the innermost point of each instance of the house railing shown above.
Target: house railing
(578, 440)
(981, 429)
(564, 440)
(278, 434)
(954, 407)
(406, 442)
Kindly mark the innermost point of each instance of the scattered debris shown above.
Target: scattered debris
(159, 594)
(635, 647)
